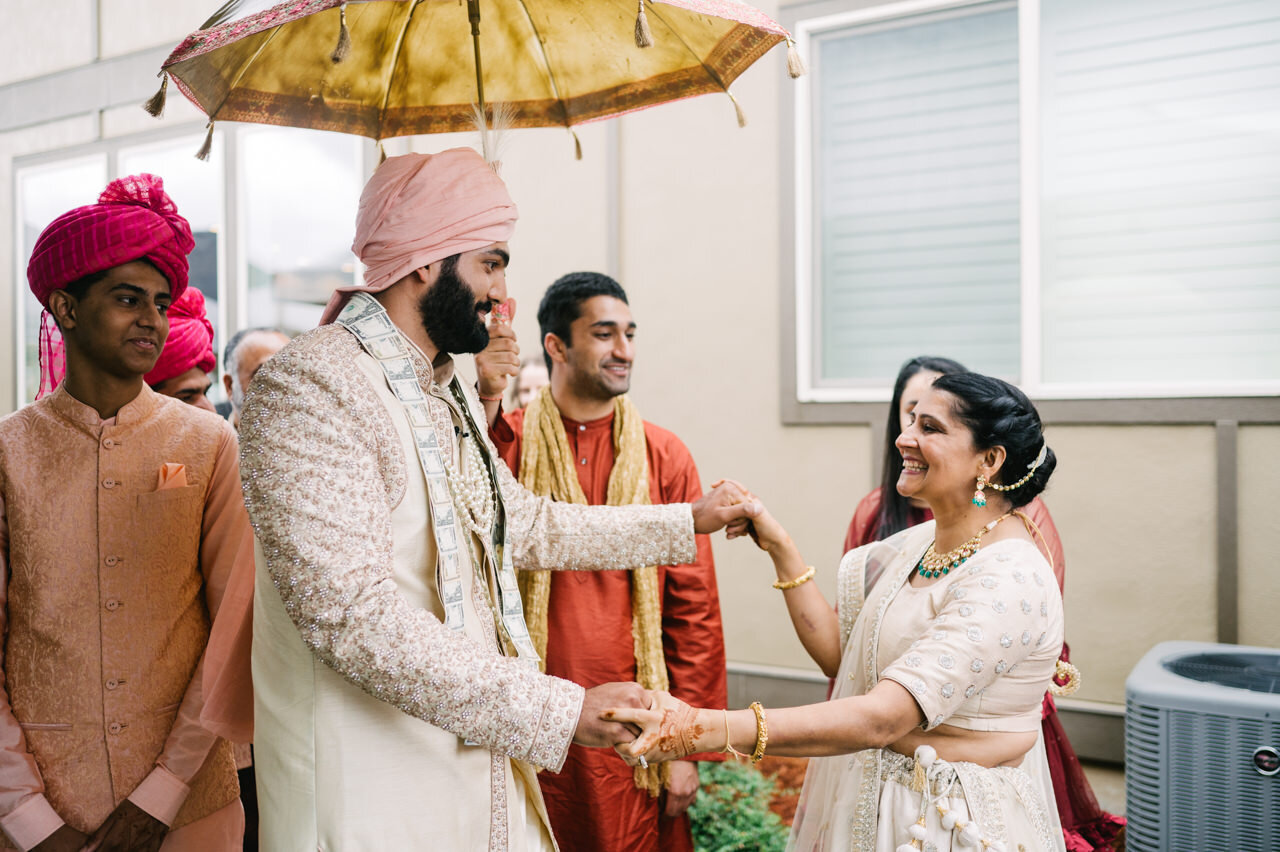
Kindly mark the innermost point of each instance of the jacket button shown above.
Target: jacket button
(108, 443)
(113, 683)
(112, 561)
(115, 727)
(108, 483)
(113, 605)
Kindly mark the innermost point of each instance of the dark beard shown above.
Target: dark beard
(449, 313)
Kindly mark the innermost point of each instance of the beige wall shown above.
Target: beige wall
(1259, 473)
(697, 246)
(1136, 510)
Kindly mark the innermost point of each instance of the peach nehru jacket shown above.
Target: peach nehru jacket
(126, 580)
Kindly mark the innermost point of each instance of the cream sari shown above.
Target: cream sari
(867, 801)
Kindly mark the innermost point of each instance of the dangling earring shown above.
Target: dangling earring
(980, 499)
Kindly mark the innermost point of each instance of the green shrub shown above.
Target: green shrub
(731, 813)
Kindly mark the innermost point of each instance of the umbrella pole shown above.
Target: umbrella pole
(473, 12)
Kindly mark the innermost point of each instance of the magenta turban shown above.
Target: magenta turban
(190, 340)
(421, 208)
(133, 219)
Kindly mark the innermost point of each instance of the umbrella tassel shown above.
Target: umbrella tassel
(203, 153)
(155, 103)
(742, 116)
(577, 145)
(644, 38)
(344, 37)
(795, 64)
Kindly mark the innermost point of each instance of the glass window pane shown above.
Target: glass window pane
(301, 189)
(197, 188)
(1161, 190)
(44, 193)
(916, 189)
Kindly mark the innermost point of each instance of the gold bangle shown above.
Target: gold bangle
(728, 744)
(798, 581)
(762, 732)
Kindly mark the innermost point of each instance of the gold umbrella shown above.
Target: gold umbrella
(386, 68)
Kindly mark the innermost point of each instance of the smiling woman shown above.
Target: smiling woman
(946, 638)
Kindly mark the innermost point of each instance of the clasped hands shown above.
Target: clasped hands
(128, 829)
(638, 722)
(668, 729)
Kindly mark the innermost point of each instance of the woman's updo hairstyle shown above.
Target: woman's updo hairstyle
(1000, 415)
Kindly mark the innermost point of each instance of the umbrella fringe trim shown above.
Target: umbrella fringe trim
(644, 36)
(343, 47)
(737, 107)
(795, 62)
(155, 103)
(207, 147)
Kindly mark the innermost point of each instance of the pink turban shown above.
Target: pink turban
(421, 208)
(133, 219)
(190, 340)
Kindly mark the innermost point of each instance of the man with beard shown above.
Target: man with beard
(581, 440)
(399, 700)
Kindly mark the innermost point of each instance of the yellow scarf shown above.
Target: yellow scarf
(547, 468)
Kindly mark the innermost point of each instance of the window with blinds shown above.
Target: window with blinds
(1153, 136)
(1160, 203)
(916, 195)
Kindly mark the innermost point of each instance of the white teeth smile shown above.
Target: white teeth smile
(910, 464)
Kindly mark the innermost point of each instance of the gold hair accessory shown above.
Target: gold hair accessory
(1072, 676)
(728, 744)
(798, 581)
(933, 564)
(762, 732)
(1031, 471)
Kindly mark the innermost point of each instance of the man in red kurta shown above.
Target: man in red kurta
(593, 621)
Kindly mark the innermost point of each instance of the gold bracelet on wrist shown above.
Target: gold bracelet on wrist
(728, 740)
(798, 581)
(762, 732)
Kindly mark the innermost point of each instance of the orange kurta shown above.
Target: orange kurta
(593, 802)
(125, 594)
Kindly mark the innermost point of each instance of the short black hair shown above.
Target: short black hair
(80, 287)
(562, 303)
(1000, 415)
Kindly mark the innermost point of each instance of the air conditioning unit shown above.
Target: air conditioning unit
(1202, 749)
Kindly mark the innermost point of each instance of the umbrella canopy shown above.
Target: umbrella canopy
(386, 68)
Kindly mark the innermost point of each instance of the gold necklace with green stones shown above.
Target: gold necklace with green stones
(934, 565)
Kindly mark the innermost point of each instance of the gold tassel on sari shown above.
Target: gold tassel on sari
(547, 469)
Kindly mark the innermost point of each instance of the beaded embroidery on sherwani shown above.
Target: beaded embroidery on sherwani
(328, 551)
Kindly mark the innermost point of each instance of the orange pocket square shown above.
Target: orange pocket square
(172, 475)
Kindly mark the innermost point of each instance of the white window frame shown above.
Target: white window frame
(233, 265)
(807, 390)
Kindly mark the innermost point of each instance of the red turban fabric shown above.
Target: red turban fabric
(133, 219)
(421, 208)
(190, 340)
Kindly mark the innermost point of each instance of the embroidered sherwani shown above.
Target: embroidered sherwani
(125, 601)
(593, 801)
(379, 727)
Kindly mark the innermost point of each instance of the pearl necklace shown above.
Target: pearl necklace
(933, 564)
(472, 490)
